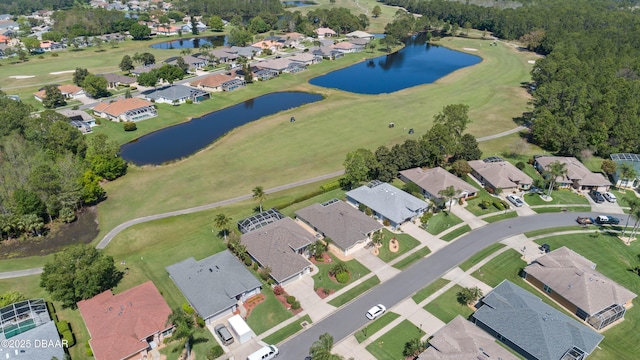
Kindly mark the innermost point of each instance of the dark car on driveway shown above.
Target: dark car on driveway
(596, 196)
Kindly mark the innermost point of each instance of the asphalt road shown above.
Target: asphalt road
(350, 318)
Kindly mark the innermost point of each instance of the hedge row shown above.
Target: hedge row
(68, 336)
(333, 185)
(62, 326)
(52, 311)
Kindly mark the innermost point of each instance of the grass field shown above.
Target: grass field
(375, 326)
(494, 218)
(413, 257)
(446, 306)
(559, 197)
(391, 344)
(479, 256)
(535, 233)
(406, 243)
(355, 291)
(287, 331)
(428, 290)
(322, 279)
(455, 233)
(613, 258)
(268, 313)
(544, 210)
(441, 222)
(357, 7)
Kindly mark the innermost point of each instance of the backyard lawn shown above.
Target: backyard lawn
(479, 256)
(456, 233)
(322, 280)
(268, 313)
(429, 290)
(391, 344)
(560, 196)
(406, 242)
(413, 257)
(355, 291)
(441, 222)
(287, 331)
(446, 306)
(375, 326)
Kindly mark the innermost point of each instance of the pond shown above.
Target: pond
(416, 64)
(297, 3)
(184, 139)
(192, 43)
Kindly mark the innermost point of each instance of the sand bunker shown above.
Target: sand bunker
(470, 49)
(531, 61)
(62, 72)
(21, 76)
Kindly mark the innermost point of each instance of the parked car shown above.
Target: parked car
(609, 197)
(607, 220)
(596, 196)
(224, 334)
(515, 200)
(267, 352)
(545, 248)
(376, 311)
(585, 220)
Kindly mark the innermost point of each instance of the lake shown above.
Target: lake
(298, 3)
(184, 139)
(416, 64)
(192, 43)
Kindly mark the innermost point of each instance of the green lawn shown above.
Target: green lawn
(407, 242)
(613, 258)
(355, 291)
(441, 222)
(268, 313)
(623, 195)
(333, 194)
(560, 196)
(535, 233)
(202, 341)
(391, 344)
(494, 218)
(375, 326)
(479, 256)
(473, 205)
(446, 306)
(544, 210)
(413, 257)
(322, 280)
(425, 292)
(456, 233)
(287, 331)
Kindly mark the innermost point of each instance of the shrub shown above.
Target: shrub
(248, 261)
(424, 219)
(342, 277)
(485, 204)
(187, 309)
(88, 350)
(278, 290)
(295, 305)
(189, 101)
(215, 352)
(40, 56)
(75, 107)
(498, 205)
(130, 126)
(386, 222)
(134, 88)
(68, 336)
(98, 122)
(270, 281)
(520, 165)
(461, 201)
(200, 321)
(62, 326)
(255, 266)
(291, 299)
(54, 54)
(362, 207)
(326, 291)
(368, 211)
(52, 311)
(331, 185)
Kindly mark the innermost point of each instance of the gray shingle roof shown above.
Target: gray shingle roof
(344, 224)
(46, 334)
(175, 92)
(537, 328)
(389, 201)
(212, 284)
(275, 245)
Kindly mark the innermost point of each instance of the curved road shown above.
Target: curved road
(349, 318)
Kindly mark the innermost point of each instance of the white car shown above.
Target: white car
(376, 311)
(609, 197)
(515, 200)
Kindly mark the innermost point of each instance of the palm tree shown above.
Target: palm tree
(260, 195)
(555, 170)
(627, 172)
(377, 237)
(636, 226)
(634, 203)
(183, 323)
(5, 226)
(222, 221)
(321, 348)
(32, 223)
(449, 193)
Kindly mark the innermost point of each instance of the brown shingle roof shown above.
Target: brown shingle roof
(436, 179)
(574, 277)
(117, 78)
(275, 245)
(275, 64)
(69, 89)
(121, 106)
(500, 174)
(344, 224)
(119, 324)
(576, 171)
(213, 80)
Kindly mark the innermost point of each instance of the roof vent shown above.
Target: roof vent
(217, 267)
(120, 313)
(210, 270)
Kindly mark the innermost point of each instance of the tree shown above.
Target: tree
(239, 37)
(634, 204)
(376, 11)
(194, 27)
(139, 32)
(372, 46)
(461, 168)
(53, 97)
(627, 174)
(321, 348)
(518, 147)
(30, 44)
(182, 65)
(104, 158)
(92, 192)
(467, 149)
(260, 195)
(79, 272)
(414, 347)
(184, 327)
(10, 297)
(95, 86)
(126, 64)
(127, 94)
(455, 117)
(148, 79)
(216, 23)
(449, 193)
(147, 59)
(608, 166)
(358, 166)
(469, 295)
(389, 41)
(170, 73)
(257, 25)
(553, 171)
(79, 75)
(222, 221)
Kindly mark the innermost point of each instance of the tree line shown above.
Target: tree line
(230, 8)
(48, 170)
(26, 7)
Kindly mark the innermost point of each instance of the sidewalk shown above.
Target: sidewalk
(467, 217)
(424, 237)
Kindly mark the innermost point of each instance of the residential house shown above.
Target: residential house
(259, 220)
(5, 17)
(577, 176)
(247, 51)
(115, 80)
(68, 91)
(46, 46)
(132, 109)
(292, 39)
(305, 58)
(279, 65)
(79, 119)
(224, 55)
(268, 45)
(461, 339)
(327, 52)
(188, 28)
(144, 69)
(324, 32)
(81, 126)
(348, 228)
(168, 30)
(532, 328)
(573, 282)
(358, 41)
(347, 47)
(433, 181)
(282, 246)
(359, 35)
(218, 82)
(4, 39)
(632, 160)
(265, 74)
(495, 173)
(127, 325)
(388, 202)
(8, 27)
(214, 286)
(28, 322)
(177, 94)
(193, 62)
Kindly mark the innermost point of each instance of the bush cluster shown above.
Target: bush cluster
(295, 305)
(278, 290)
(291, 299)
(342, 277)
(333, 185)
(215, 352)
(130, 126)
(200, 321)
(187, 309)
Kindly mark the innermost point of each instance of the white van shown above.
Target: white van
(265, 353)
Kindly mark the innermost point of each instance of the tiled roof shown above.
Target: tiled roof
(575, 171)
(275, 245)
(345, 45)
(69, 89)
(213, 80)
(340, 221)
(574, 278)
(275, 64)
(121, 106)
(302, 57)
(119, 324)
(436, 179)
(388, 201)
(501, 174)
(324, 31)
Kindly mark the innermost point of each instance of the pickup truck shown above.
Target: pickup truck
(607, 220)
(585, 220)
